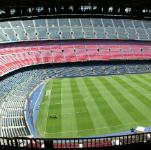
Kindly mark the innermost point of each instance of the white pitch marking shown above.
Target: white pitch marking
(48, 106)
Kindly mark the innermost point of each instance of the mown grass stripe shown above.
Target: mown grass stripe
(135, 100)
(83, 119)
(114, 90)
(126, 102)
(54, 125)
(105, 106)
(98, 119)
(137, 92)
(145, 87)
(111, 100)
(143, 82)
(69, 124)
(147, 76)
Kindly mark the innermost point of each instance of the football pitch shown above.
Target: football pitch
(91, 106)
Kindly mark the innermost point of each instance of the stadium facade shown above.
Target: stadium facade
(52, 39)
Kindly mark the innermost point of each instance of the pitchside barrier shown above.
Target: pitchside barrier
(98, 142)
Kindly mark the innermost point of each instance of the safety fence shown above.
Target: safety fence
(98, 142)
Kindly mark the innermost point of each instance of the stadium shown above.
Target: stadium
(75, 74)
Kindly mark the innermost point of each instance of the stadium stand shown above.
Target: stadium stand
(55, 40)
(74, 28)
(15, 89)
(16, 57)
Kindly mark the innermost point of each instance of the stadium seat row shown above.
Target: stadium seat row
(17, 57)
(74, 28)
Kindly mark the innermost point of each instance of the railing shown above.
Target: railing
(98, 142)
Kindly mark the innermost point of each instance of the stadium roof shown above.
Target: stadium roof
(24, 9)
(19, 3)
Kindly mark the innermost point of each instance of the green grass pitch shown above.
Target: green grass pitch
(92, 106)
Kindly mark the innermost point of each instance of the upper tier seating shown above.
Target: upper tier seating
(74, 28)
